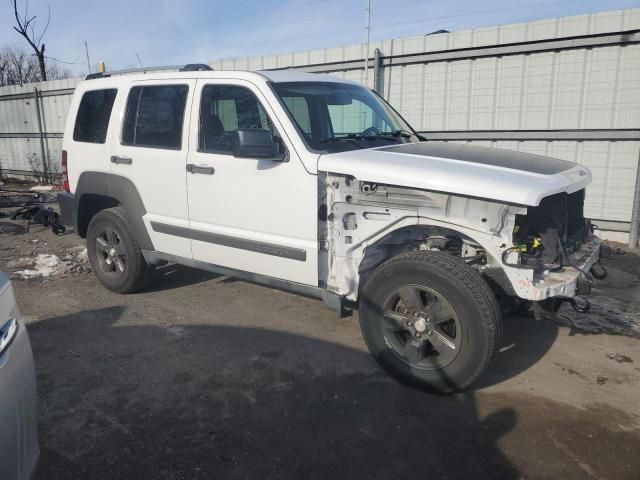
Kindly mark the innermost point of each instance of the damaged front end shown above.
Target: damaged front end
(534, 253)
(556, 244)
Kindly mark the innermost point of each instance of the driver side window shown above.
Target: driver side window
(225, 109)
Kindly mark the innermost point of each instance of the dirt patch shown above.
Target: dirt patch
(607, 315)
(620, 358)
(45, 265)
(615, 301)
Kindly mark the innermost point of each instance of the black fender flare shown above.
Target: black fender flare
(121, 190)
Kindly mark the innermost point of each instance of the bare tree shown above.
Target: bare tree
(18, 67)
(25, 26)
(55, 72)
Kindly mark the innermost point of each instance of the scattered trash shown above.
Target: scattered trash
(39, 214)
(41, 188)
(601, 380)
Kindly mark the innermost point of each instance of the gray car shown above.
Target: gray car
(18, 430)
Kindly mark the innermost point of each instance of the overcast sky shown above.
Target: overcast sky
(165, 32)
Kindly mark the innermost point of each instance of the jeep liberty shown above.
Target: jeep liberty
(316, 185)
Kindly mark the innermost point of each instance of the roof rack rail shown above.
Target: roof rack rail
(195, 67)
(190, 67)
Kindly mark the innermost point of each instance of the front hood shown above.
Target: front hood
(491, 173)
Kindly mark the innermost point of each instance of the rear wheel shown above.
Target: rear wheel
(430, 320)
(114, 253)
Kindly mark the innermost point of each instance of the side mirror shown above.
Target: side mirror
(256, 143)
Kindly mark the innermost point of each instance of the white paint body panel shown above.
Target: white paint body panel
(454, 176)
(256, 200)
(159, 174)
(84, 156)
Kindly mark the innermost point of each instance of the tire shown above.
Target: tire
(114, 253)
(430, 320)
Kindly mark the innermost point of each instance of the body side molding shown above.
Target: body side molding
(233, 242)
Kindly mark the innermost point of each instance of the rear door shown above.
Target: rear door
(151, 152)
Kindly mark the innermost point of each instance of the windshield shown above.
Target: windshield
(335, 117)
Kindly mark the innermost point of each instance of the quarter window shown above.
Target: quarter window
(154, 116)
(93, 116)
(225, 109)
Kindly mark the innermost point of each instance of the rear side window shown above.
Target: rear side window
(93, 116)
(154, 116)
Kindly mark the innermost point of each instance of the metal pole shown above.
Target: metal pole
(377, 64)
(366, 60)
(45, 170)
(86, 50)
(634, 231)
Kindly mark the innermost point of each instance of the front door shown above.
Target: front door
(248, 214)
(152, 153)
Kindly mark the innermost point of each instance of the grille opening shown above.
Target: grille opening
(558, 219)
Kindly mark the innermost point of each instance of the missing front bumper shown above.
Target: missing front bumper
(569, 281)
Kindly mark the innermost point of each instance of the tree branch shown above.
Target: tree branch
(44, 30)
(26, 28)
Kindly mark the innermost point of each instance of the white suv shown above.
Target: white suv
(316, 185)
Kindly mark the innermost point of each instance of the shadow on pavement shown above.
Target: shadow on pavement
(525, 341)
(172, 276)
(122, 401)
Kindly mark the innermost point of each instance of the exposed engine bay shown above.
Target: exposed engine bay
(546, 236)
(533, 253)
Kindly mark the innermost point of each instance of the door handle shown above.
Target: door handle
(123, 160)
(203, 170)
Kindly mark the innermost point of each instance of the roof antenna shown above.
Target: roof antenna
(139, 61)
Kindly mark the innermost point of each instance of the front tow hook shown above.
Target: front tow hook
(598, 271)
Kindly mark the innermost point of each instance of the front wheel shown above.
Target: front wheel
(430, 320)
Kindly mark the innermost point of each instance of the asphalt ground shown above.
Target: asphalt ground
(206, 377)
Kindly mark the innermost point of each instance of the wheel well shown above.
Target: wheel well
(406, 239)
(427, 237)
(90, 204)
(422, 237)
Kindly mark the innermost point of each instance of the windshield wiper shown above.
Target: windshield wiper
(398, 133)
(357, 136)
(390, 136)
(348, 138)
(383, 135)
